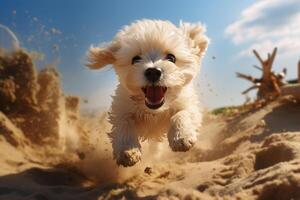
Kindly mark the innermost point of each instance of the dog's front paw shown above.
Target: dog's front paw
(128, 158)
(182, 143)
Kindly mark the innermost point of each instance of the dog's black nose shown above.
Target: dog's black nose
(153, 74)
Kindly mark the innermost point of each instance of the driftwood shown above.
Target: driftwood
(269, 84)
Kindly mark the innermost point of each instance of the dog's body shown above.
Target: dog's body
(156, 63)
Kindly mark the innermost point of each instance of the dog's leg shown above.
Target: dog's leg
(183, 130)
(125, 143)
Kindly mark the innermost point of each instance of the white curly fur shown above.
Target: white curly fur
(131, 119)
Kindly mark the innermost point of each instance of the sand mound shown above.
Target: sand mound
(49, 150)
(251, 155)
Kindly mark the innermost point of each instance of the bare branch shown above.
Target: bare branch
(245, 76)
(267, 66)
(257, 67)
(250, 88)
(258, 57)
(273, 56)
(275, 85)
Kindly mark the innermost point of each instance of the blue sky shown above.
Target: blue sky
(63, 30)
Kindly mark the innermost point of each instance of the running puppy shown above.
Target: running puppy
(155, 62)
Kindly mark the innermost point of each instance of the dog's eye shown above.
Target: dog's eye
(171, 58)
(136, 59)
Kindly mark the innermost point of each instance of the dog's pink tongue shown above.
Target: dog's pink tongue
(155, 94)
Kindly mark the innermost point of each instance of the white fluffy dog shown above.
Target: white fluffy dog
(156, 63)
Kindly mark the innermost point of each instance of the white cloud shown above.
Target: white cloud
(268, 23)
(288, 46)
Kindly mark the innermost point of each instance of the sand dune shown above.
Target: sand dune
(49, 150)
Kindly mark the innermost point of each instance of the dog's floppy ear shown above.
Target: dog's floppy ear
(98, 57)
(197, 40)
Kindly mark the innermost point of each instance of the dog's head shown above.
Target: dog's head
(153, 59)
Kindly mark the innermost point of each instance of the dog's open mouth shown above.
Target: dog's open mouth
(154, 96)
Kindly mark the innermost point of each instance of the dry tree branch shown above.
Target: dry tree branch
(267, 66)
(268, 85)
(258, 57)
(257, 67)
(275, 84)
(250, 88)
(245, 76)
(273, 56)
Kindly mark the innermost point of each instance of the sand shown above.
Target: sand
(50, 150)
